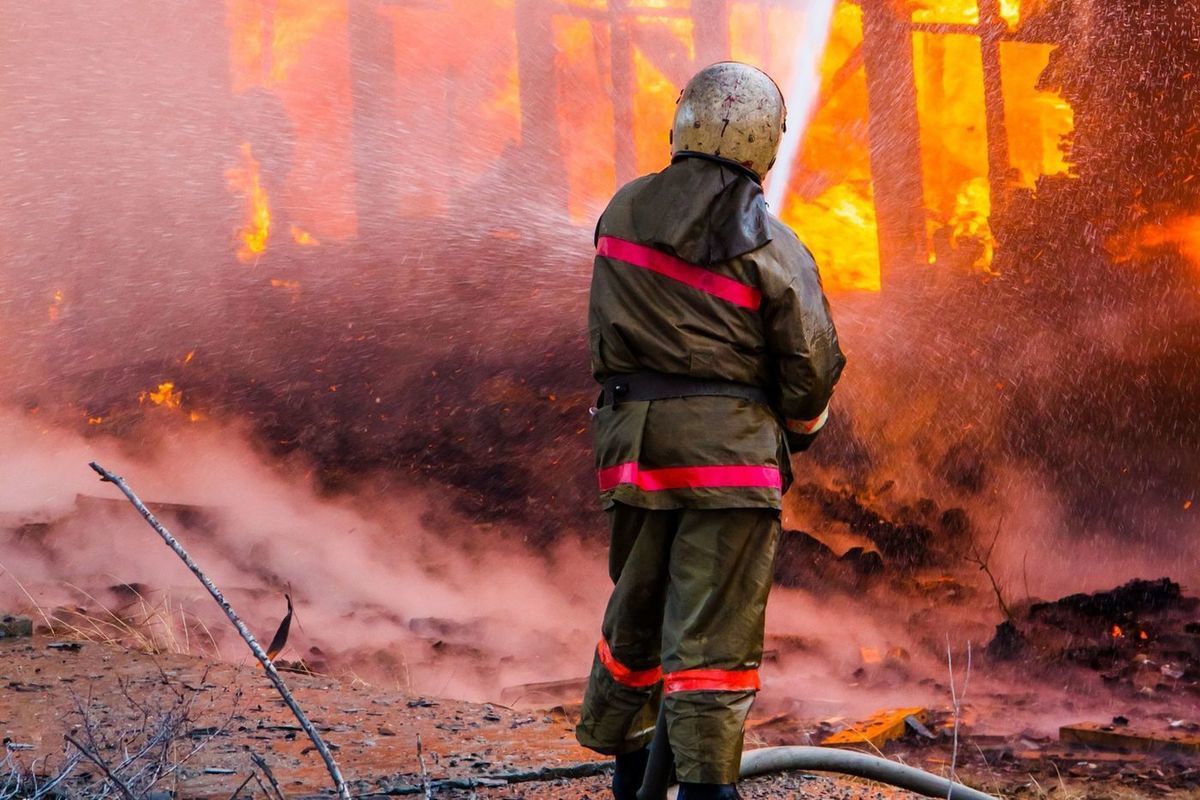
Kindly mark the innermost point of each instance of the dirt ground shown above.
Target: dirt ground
(222, 715)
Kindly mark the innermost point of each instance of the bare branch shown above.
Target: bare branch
(335, 773)
(425, 784)
(241, 786)
(956, 699)
(983, 561)
(262, 764)
(99, 762)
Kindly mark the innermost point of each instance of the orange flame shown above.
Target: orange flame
(303, 237)
(257, 228)
(298, 51)
(55, 309)
(165, 396)
(1117, 633)
(1180, 234)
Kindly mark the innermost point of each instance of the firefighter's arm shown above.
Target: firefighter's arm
(803, 344)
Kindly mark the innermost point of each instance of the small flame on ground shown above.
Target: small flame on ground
(1117, 633)
(165, 396)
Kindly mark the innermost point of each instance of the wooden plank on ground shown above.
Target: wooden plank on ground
(877, 730)
(1121, 737)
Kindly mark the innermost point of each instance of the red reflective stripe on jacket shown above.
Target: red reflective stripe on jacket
(635, 679)
(677, 269)
(704, 477)
(712, 680)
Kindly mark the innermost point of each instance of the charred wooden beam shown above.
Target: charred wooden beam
(623, 87)
(541, 150)
(710, 21)
(1130, 738)
(992, 29)
(895, 141)
(376, 125)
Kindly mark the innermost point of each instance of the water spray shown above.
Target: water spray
(803, 87)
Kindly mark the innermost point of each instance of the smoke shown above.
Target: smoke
(382, 583)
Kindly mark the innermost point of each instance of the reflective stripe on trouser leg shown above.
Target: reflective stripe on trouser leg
(721, 566)
(620, 704)
(616, 718)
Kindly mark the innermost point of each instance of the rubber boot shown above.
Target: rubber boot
(708, 791)
(628, 773)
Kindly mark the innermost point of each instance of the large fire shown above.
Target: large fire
(1179, 233)
(612, 86)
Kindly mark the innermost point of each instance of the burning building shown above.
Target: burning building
(356, 234)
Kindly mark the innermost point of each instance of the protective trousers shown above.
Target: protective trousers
(684, 624)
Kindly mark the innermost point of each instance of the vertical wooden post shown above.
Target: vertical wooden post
(710, 26)
(623, 88)
(991, 30)
(268, 41)
(541, 150)
(895, 141)
(376, 126)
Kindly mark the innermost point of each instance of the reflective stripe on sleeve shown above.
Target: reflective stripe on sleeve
(702, 477)
(707, 281)
(808, 425)
(634, 679)
(712, 680)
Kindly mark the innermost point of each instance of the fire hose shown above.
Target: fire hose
(809, 759)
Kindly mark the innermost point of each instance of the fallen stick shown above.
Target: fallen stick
(339, 783)
(99, 762)
(586, 769)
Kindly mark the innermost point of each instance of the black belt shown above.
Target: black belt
(641, 386)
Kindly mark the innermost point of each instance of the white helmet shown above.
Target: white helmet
(732, 111)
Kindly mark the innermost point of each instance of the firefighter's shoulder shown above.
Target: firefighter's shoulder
(617, 214)
(785, 258)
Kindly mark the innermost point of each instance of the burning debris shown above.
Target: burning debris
(1142, 638)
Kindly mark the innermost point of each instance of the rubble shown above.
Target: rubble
(803, 561)
(1140, 637)
(904, 544)
(14, 627)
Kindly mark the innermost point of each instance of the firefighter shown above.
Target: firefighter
(712, 340)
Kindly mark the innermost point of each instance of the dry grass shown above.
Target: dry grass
(153, 627)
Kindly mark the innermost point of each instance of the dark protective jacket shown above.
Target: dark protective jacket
(694, 277)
